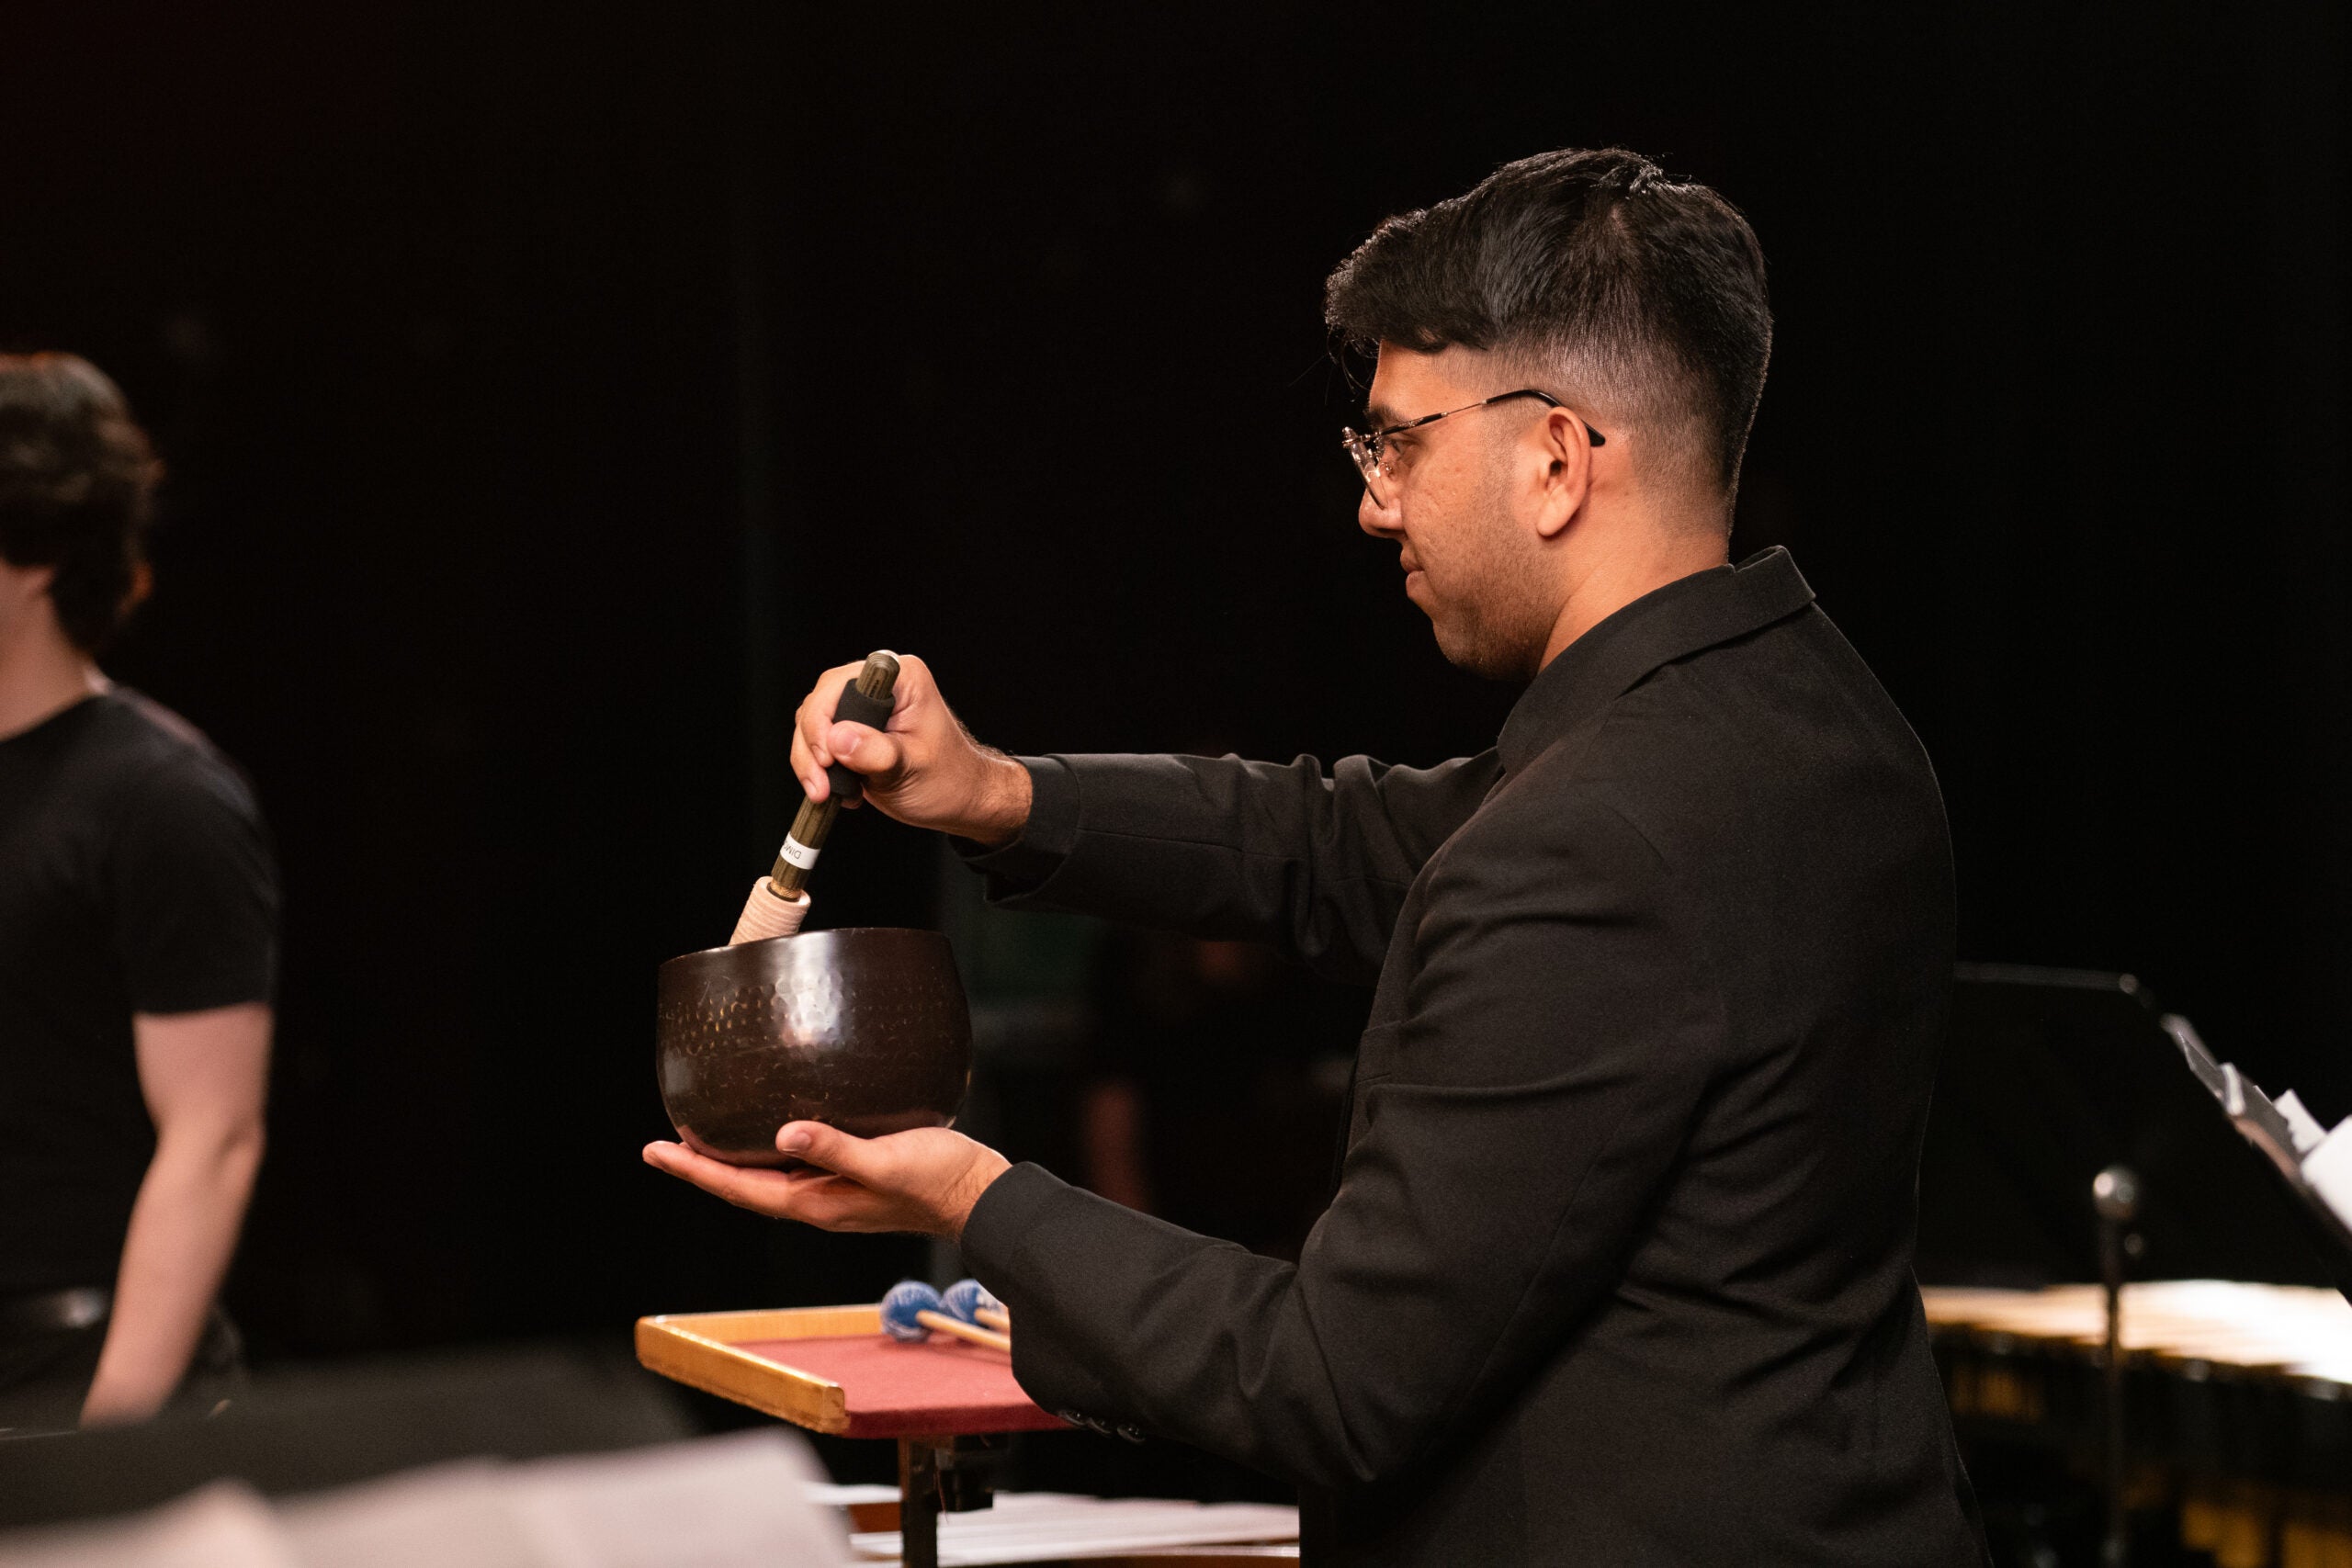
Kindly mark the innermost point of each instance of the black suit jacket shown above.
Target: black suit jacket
(1618, 1270)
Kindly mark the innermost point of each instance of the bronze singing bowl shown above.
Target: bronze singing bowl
(864, 1028)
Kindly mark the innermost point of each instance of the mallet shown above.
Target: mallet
(912, 1312)
(970, 1301)
(779, 902)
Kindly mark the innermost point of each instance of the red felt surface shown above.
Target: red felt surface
(943, 1385)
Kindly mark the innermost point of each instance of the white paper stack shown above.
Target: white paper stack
(733, 1502)
(1051, 1526)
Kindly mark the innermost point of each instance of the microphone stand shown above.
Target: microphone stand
(2115, 1194)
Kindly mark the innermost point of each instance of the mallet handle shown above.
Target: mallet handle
(815, 819)
(939, 1322)
(994, 1317)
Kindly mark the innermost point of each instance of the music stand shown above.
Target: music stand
(2049, 1077)
(2289, 1148)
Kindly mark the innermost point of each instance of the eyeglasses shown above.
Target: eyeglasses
(1369, 450)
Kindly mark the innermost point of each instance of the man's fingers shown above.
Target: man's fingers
(812, 1197)
(836, 1204)
(808, 762)
(873, 752)
(733, 1183)
(914, 688)
(768, 1192)
(818, 742)
(832, 1149)
(811, 723)
(804, 765)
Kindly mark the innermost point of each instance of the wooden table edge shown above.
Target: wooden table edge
(699, 1349)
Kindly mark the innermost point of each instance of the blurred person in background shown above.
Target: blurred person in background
(137, 946)
(1213, 1097)
(1212, 1089)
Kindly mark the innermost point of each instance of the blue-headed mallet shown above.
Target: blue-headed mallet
(912, 1312)
(970, 1300)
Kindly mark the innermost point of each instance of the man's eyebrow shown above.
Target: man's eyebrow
(1380, 416)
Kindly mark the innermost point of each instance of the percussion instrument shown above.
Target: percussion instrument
(914, 1312)
(2237, 1401)
(970, 1301)
(864, 1028)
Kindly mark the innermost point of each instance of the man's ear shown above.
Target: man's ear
(1566, 447)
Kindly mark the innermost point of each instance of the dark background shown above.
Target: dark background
(550, 392)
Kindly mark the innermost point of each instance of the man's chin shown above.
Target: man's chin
(1488, 658)
(1462, 652)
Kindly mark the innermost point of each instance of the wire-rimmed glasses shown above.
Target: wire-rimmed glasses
(1370, 448)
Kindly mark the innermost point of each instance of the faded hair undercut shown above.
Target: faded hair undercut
(1629, 293)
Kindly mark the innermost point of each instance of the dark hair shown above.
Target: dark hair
(77, 480)
(1645, 293)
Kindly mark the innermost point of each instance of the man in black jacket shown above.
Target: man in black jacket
(1618, 1271)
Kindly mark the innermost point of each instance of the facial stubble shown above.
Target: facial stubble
(1492, 618)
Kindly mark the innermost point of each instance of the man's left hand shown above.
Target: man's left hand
(925, 1180)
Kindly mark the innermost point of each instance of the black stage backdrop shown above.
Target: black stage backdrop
(551, 392)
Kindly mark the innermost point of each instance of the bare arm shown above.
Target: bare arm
(203, 1075)
(1111, 1133)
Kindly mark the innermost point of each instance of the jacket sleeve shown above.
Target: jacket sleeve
(1530, 1106)
(1314, 865)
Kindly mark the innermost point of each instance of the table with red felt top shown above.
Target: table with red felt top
(895, 1390)
(833, 1369)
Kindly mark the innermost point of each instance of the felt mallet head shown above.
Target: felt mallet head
(966, 1299)
(904, 1307)
(912, 1312)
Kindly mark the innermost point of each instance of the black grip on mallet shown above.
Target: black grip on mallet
(858, 707)
(867, 700)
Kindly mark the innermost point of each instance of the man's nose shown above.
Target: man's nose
(1380, 524)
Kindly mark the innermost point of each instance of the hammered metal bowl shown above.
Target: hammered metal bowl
(866, 1027)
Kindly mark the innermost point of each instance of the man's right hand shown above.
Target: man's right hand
(925, 769)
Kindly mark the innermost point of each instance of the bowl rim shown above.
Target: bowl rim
(828, 930)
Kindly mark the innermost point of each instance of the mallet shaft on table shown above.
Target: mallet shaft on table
(969, 1299)
(939, 1322)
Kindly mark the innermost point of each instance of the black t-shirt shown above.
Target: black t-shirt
(134, 877)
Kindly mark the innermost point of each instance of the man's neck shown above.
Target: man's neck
(41, 675)
(1643, 565)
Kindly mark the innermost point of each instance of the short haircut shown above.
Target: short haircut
(77, 480)
(1643, 294)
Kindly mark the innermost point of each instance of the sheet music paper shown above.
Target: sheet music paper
(748, 1500)
(731, 1502)
(225, 1525)
(1037, 1526)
